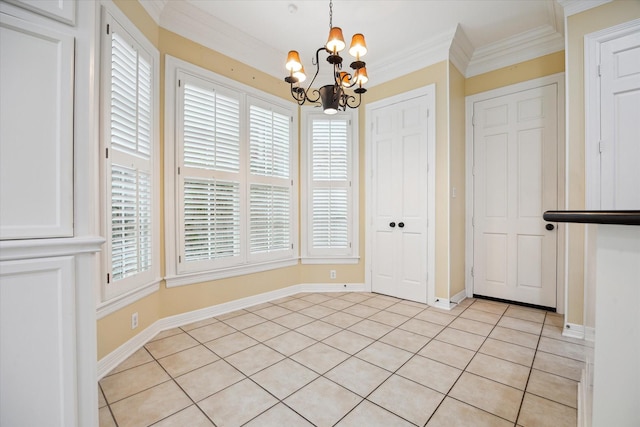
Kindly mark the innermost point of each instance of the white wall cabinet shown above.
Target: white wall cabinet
(37, 355)
(36, 136)
(49, 233)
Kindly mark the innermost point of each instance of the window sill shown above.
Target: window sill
(121, 301)
(330, 260)
(224, 273)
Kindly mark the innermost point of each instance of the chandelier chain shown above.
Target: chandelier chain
(330, 14)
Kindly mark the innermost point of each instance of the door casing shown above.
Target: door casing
(561, 228)
(429, 92)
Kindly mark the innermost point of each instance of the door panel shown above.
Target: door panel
(399, 182)
(515, 181)
(620, 127)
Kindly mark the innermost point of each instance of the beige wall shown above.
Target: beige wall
(605, 16)
(457, 181)
(535, 68)
(114, 330)
(451, 88)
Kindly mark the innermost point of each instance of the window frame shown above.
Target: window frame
(309, 255)
(115, 294)
(177, 273)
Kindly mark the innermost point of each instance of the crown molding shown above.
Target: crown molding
(572, 7)
(194, 24)
(522, 47)
(190, 22)
(461, 50)
(412, 59)
(154, 8)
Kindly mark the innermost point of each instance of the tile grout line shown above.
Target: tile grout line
(467, 365)
(379, 339)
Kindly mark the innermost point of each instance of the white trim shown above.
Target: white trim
(443, 303)
(62, 10)
(223, 273)
(330, 260)
(461, 50)
(116, 303)
(173, 66)
(430, 92)
(573, 330)
(117, 356)
(519, 48)
(44, 248)
(154, 8)
(328, 256)
(572, 7)
(459, 297)
(469, 208)
(590, 334)
(592, 131)
(108, 13)
(195, 24)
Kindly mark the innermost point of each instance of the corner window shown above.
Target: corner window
(232, 206)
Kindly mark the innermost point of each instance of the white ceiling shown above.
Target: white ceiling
(402, 35)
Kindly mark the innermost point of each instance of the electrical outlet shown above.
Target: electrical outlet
(332, 274)
(134, 320)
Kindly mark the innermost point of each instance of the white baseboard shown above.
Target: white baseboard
(573, 330)
(589, 334)
(459, 297)
(448, 304)
(119, 355)
(443, 303)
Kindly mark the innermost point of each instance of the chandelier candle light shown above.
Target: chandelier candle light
(333, 97)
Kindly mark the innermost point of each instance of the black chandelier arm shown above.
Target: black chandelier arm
(350, 101)
(301, 95)
(317, 64)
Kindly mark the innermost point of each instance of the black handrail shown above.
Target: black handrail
(594, 217)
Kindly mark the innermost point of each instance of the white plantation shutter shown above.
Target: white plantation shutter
(270, 193)
(235, 201)
(330, 218)
(211, 129)
(211, 219)
(330, 183)
(130, 222)
(269, 142)
(329, 173)
(269, 218)
(330, 150)
(208, 134)
(128, 84)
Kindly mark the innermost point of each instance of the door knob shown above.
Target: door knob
(392, 224)
(549, 227)
(401, 224)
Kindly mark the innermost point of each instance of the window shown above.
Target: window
(330, 173)
(233, 201)
(129, 124)
(270, 183)
(209, 177)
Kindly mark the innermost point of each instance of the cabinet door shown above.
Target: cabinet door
(36, 136)
(60, 10)
(37, 342)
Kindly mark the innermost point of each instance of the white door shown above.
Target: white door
(620, 123)
(399, 199)
(515, 139)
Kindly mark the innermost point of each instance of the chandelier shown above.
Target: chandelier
(333, 97)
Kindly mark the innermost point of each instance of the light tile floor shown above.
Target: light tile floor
(352, 359)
